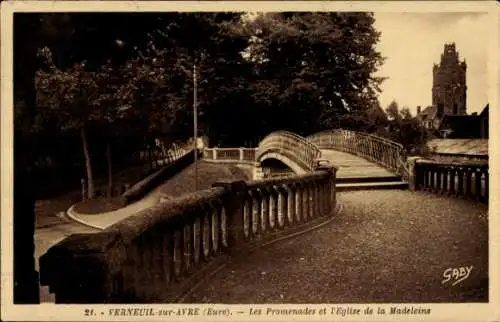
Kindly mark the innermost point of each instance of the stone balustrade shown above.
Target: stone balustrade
(149, 257)
(292, 146)
(469, 180)
(384, 152)
(230, 154)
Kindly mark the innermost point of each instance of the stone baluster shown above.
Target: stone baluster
(446, 179)
(437, 187)
(178, 254)
(188, 248)
(431, 179)
(273, 207)
(232, 214)
(282, 206)
(216, 226)
(206, 234)
(460, 189)
(196, 240)
(224, 228)
(247, 216)
(167, 258)
(478, 176)
(468, 182)
(254, 196)
(264, 209)
(313, 199)
(305, 201)
(290, 214)
(298, 203)
(452, 188)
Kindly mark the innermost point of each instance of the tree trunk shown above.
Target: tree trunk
(88, 165)
(110, 169)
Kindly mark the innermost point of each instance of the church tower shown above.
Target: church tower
(449, 92)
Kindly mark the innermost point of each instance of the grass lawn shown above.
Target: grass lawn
(181, 183)
(208, 174)
(98, 205)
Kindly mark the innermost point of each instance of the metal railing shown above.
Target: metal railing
(149, 257)
(384, 152)
(157, 157)
(293, 146)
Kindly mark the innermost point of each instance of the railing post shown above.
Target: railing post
(414, 173)
(80, 269)
(214, 153)
(331, 202)
(233, 203)
(241, 154)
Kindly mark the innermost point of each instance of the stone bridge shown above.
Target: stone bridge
(295, 237)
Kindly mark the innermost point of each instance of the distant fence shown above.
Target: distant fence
(245, 155)
(467, 180)
(150, 257)
(158, 156)
(150, 162)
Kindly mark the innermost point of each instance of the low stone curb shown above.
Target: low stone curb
(71, 213)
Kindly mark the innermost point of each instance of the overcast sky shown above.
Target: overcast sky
(413, 42)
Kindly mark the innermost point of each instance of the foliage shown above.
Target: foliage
(312, 67)
(406, 129)
(121, 76)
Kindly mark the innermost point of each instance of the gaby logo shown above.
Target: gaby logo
(456, 275)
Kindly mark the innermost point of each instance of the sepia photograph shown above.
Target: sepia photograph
(305, 164)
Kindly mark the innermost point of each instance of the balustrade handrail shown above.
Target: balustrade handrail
(382, 151)
(231, 149)
(464, 179)
(149, 257)
(293, 146)
(245, 155)
(372, 136)
(290, 135)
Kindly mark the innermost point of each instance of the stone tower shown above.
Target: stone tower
(449, 92)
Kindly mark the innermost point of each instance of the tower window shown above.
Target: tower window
(455, 109)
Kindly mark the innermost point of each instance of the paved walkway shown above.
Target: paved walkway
(354, 166)
(385, 246)
(103, 220)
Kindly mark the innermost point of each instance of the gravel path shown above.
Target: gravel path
(385, 247)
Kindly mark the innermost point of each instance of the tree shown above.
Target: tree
(310, 68)
(406, 114)
(393, 111)
(72, 98)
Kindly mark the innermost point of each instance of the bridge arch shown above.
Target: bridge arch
(293, 165)
(293, 150)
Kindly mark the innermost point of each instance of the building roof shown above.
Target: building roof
(462, 126)
(459, 146)
(428, 113)
(486, 111)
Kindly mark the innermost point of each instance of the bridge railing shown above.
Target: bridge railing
(154, 255)
(469, 180)
(384, 152)
(230, 154)
(291, 145)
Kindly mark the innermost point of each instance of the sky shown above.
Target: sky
(413, 42)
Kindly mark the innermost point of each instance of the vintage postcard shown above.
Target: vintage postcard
(249, 161)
